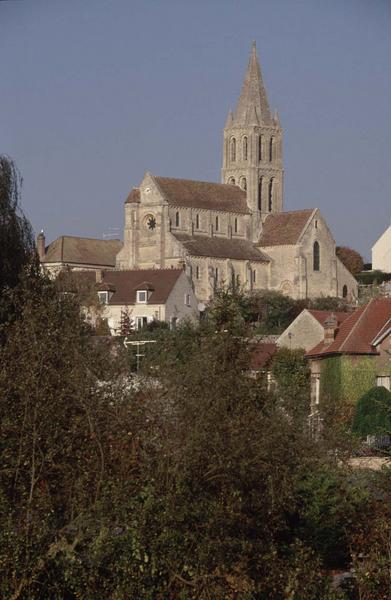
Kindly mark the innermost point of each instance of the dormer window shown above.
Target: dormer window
(142, 296)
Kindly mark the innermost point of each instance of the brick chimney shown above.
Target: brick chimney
(41, 245)
(330, 328)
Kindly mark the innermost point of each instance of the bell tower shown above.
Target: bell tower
(252, 154)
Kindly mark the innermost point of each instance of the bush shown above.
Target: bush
(372, 415)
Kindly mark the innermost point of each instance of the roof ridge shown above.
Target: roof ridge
(228, 185)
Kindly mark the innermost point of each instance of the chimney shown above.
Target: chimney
(41, 245)
(330, 328)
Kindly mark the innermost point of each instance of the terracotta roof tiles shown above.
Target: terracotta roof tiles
(285, 228)
(359, 330)
(203, 195)
(83, 251)
(216, 247)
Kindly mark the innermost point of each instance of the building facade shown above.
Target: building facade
(235, 231)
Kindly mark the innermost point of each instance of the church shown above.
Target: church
(236, 231)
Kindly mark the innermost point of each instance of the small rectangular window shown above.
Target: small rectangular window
(254, 276)
(142, 296)
(197, 272)
(236, 225)
(216, 273)
(103, 297)
(217, 223)
(187, 299)
(141, 322)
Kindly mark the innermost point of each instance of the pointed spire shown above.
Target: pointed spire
(253, 93)
(230, 119)
(276, 119)
(252, 117)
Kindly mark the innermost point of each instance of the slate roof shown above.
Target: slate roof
(358, 331)
(126, 283)
(215, 247)
(83, 251)
(203, 195)
(285, 228)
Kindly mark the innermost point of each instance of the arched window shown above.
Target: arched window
(197, 221)
(233, 150)
(271, 148)
(345, 291)
(231, 181)
(260, 148)
(270, 195)
(177, 219)
(236, 225)
(316, 256)
(243, 183)
(245, 148)
(260, 193)
(217, 223)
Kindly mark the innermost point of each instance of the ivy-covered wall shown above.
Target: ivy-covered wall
(347, 378)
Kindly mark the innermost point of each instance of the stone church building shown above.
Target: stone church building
(235, 231)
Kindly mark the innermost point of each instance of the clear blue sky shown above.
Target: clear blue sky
(95, 92)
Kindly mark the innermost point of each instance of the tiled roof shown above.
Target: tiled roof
(126, 283)
(134, 196)
(322, 315)
(285, 228)
(83, 251)
(358, 331)
(203, 194)
(261, 355)
(201, 245)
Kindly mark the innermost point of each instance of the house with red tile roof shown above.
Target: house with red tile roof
(307, 330)
(355, 353)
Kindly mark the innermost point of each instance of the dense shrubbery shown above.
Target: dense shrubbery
(372, 414)
(198, 484)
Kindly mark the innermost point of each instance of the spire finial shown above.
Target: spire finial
(253, 93)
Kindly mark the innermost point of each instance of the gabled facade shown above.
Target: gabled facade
(307, 330)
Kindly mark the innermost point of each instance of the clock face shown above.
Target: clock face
(150, 222)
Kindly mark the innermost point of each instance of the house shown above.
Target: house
(77, 253)
(236, 230)
(354, 354)
(307, 330)
(381, 252)
(146, 295)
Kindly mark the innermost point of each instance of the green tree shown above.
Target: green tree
(352, 260)
(17, 247)
(292, 376)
